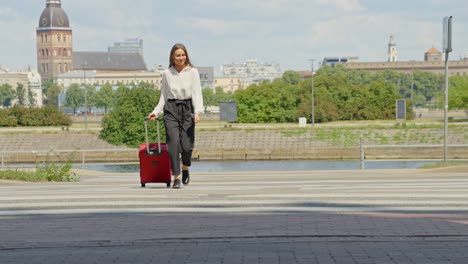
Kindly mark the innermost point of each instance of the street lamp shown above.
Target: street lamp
(412, 81)
(313, 101)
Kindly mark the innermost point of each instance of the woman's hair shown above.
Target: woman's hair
(173, 50)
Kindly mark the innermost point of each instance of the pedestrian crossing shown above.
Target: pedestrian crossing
(245, 192)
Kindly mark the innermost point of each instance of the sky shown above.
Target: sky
(216, 32)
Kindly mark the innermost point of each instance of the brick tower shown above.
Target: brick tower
(54, 41)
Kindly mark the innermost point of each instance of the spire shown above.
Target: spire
(392, 52)
(54, 3)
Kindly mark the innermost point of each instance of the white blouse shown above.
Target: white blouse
(181, 85)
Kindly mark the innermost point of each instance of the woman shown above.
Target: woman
(181, 102)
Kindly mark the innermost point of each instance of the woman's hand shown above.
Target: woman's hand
(152, 116)
(196, 118)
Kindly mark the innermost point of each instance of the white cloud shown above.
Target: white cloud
(218, 31)
(347, 5)
(214, 26)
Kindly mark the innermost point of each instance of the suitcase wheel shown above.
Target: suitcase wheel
(168, 184)
(143, 185)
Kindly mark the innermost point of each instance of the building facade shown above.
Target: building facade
(31, 81)
(230, 84)
(130, 45)
(206, 77)
(432, 63)
(332, 61)
(100, 78)
(54, 40)
(392, 51)
(253, 72)
(55, 54)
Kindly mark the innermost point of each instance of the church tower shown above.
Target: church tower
(392, 52)
(54, 41)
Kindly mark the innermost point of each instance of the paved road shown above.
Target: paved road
(394, 216)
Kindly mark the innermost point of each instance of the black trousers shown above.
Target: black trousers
(180, 132)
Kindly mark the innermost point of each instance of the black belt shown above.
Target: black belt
(181, 101)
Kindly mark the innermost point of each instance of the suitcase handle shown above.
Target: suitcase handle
(146, 135)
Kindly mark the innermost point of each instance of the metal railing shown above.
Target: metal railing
(130, 155)
(57, 155)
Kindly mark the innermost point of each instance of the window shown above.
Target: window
(65, 53)
(65, 67)
(60, 67)
(59, 38)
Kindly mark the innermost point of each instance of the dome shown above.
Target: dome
(53, 15)
(433, 50)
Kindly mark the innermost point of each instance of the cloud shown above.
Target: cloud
(214, 26)
(346, 5)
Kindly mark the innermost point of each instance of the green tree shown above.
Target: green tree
(20, 94)
(105, 97)
(52, 95)
(45, 87)
(267, 103)
(74, 97)
(291, 77)
(427, 84)
(91, 99)
(458, 93)
(123, 125)
(31, 97)
(209, 97)
(6, 95)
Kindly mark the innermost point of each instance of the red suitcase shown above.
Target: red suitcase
(155, 165)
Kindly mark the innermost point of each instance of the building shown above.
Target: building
(100, 78)
(54, 41)
(332, 61)
(108, 61)
(432, 63)
(130, 45)
(230, 84)
(206, 77)
(31, 81)
(252, 72)
(392, 51)
(55, 54)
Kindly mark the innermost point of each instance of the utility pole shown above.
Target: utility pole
(85, 95)
(447, 47)
(313, 94)
(412, 82)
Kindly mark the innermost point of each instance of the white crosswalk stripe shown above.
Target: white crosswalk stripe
(244, 192)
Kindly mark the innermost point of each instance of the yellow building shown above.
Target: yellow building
(230, 84)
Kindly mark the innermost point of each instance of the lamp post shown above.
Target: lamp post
(412, 81)
(313, 94)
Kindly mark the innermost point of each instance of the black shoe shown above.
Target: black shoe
(185, 177)
(176, 184)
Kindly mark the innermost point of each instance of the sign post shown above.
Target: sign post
(447, 48)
